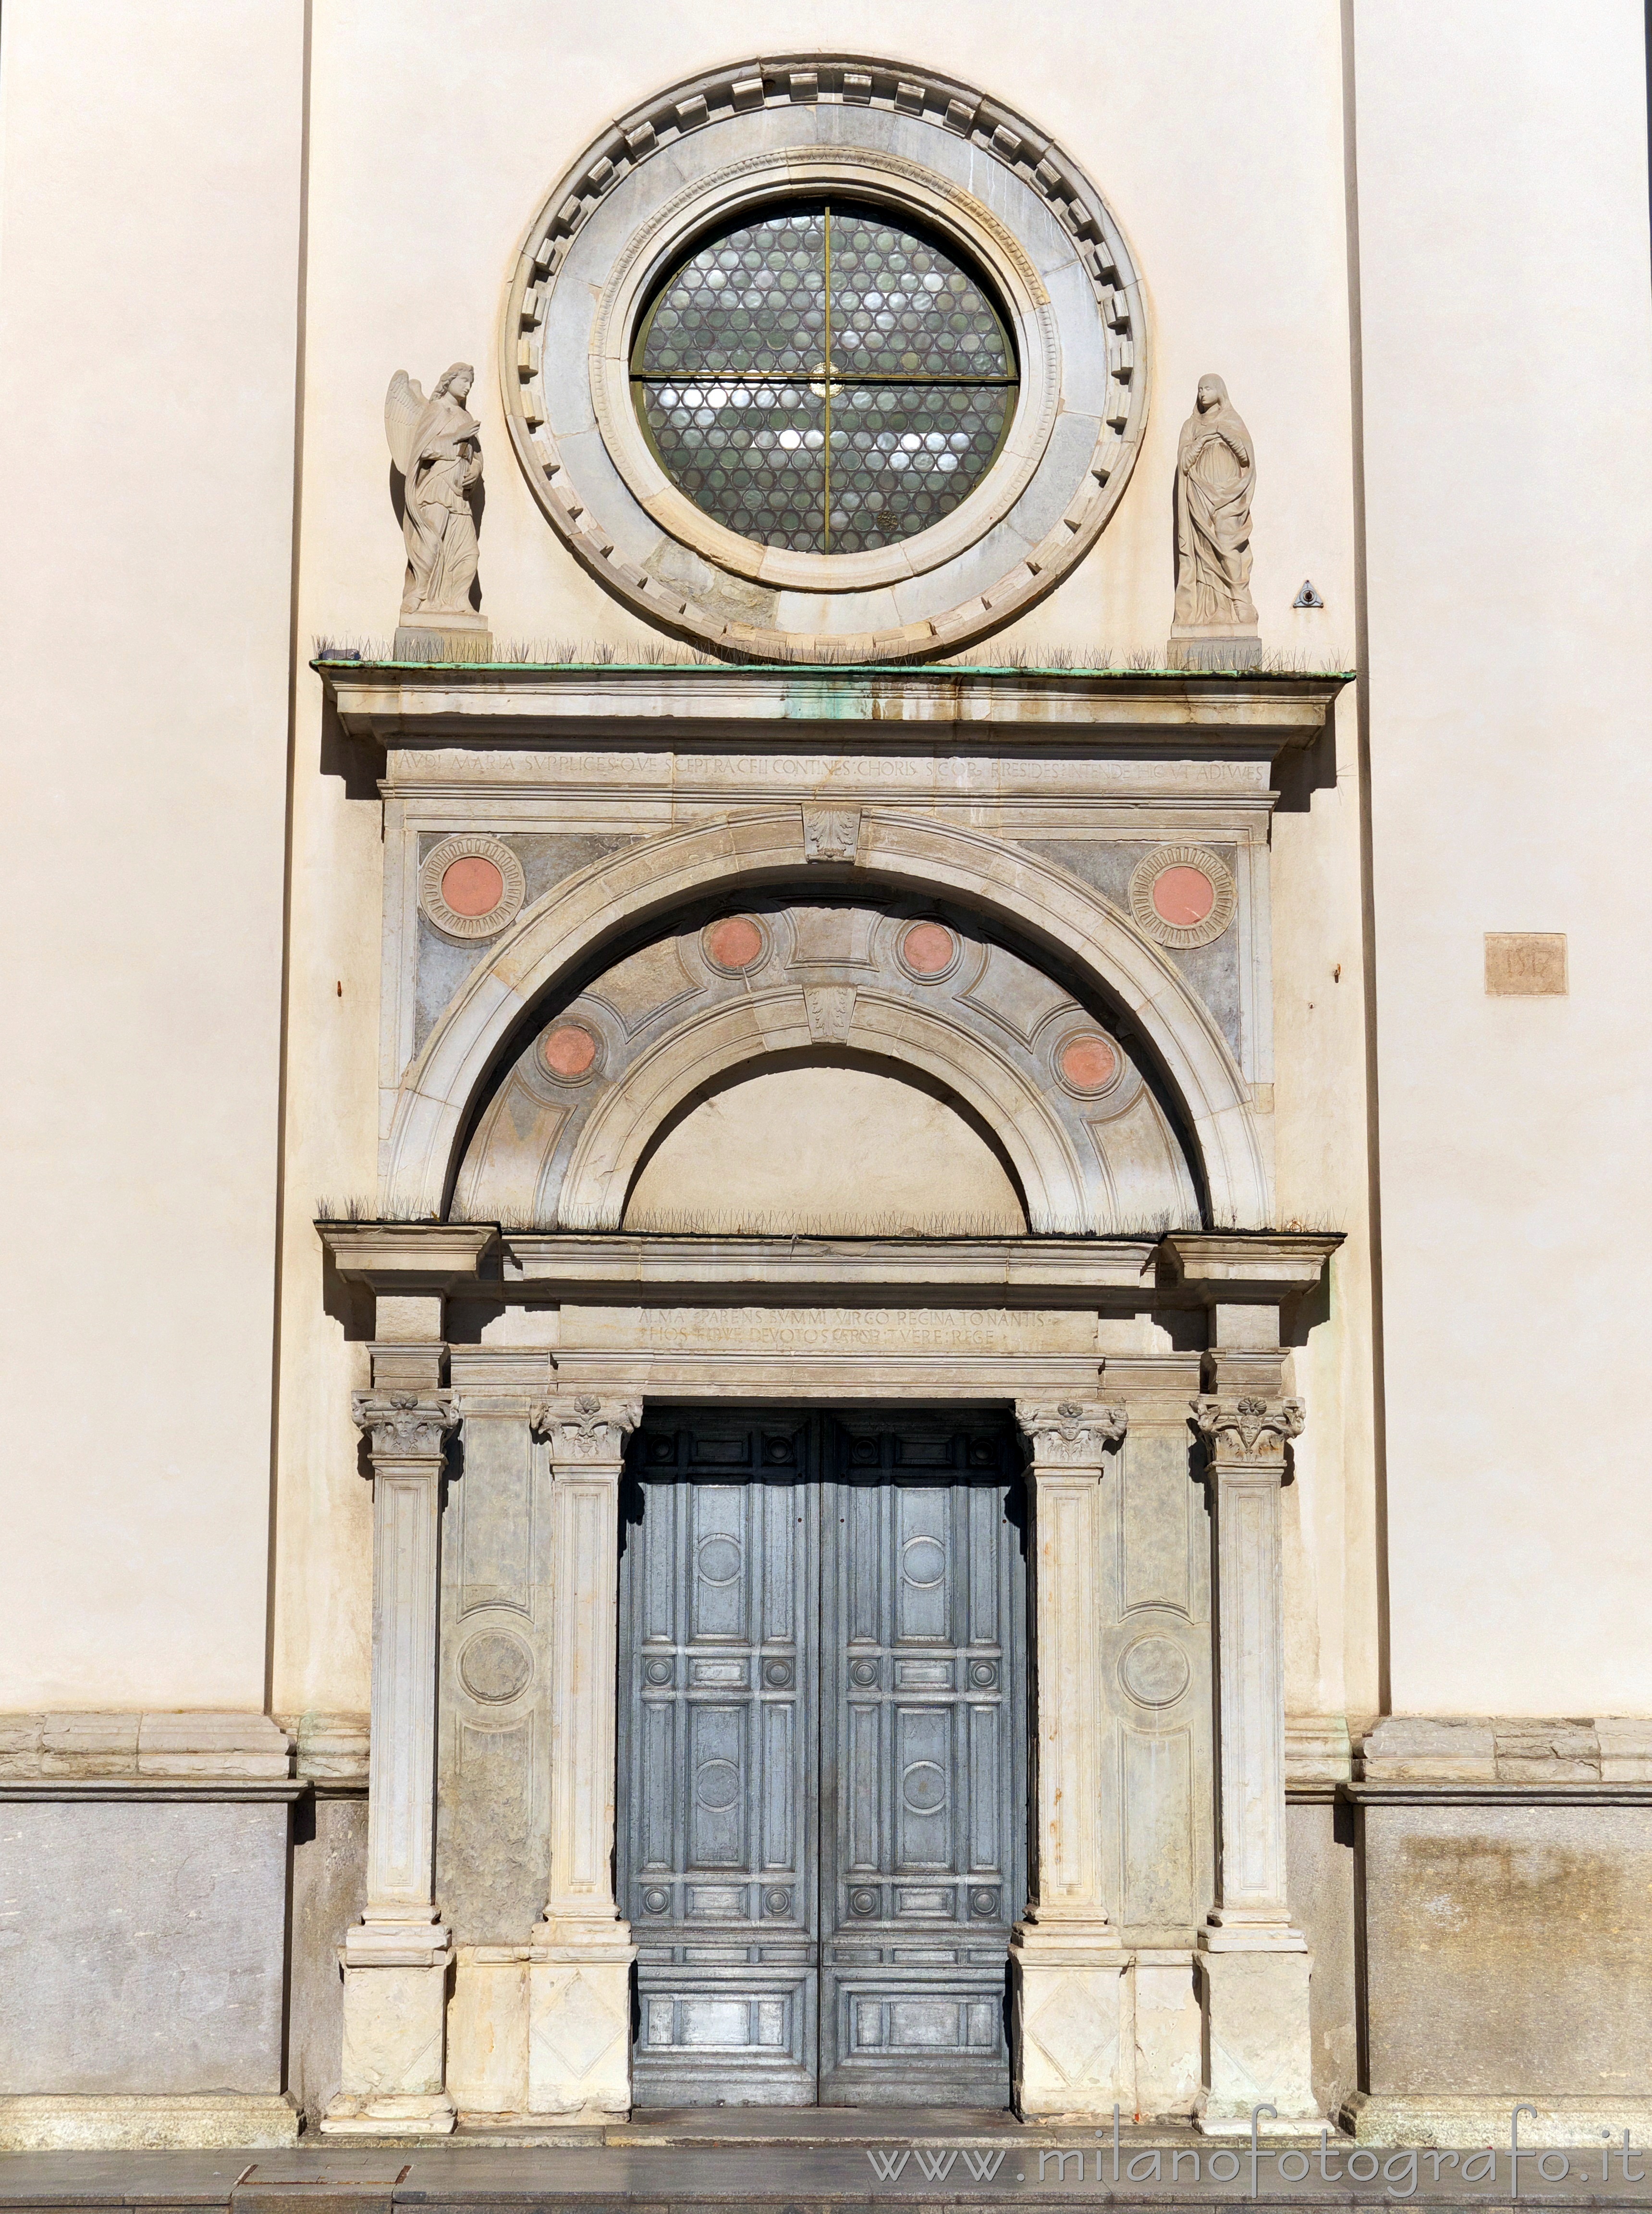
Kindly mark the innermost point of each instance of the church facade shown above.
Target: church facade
(843, 1311)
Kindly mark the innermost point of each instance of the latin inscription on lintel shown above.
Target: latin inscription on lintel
(830, 1330)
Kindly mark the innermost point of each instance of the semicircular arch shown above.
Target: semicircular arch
(560, 935)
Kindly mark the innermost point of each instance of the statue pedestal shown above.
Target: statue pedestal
(1216, 645)
(429, 636)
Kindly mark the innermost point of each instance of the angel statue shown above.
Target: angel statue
(1215, 472)
(435, 445)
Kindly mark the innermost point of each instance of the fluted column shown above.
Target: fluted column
(395, 1958)
(1253, 1961)
(1069, 1961)
(580, 2002)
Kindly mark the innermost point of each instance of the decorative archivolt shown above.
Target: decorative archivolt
(1040, 1112)
(562, 1139)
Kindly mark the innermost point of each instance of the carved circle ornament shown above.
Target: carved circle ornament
(496, 1666)
(865, 350)
(471, 888)
(929, 952)
(1089, 1063)
(923, 1563)
(1183, 896)
(717, 1785)
(923, 1787)
(734, 944)
(571, 1053)
(1154, 1671)
(718, 1561)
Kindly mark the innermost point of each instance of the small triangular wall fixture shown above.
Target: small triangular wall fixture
(1307, 597)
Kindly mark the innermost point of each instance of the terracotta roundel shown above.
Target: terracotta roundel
(570, 1052)
(734, 942)
(1183, 896)
(1089, 1063)
(471, 887)
(929, 950)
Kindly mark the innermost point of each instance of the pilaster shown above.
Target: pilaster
(1253, 1961)
(581, 1952)
(396, 1958)
(1068, 1959)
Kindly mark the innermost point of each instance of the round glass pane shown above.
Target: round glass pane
(823, 378)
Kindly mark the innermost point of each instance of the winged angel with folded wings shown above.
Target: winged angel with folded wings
(435, 445)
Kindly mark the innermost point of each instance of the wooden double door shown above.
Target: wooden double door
(823, 1805)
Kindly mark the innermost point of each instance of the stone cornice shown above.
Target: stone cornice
(1209, 1267)
(1434, 1793)
(408, 1257)
(398, 704)
(1011, 1271)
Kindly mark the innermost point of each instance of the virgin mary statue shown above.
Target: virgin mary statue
(435, 445)
(1215, 472)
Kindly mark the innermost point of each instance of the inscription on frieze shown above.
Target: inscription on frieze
(830, 1330)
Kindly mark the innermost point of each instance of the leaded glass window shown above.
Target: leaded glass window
(823, 378)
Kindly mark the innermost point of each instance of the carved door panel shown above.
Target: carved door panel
(822, 1755)
(923, 1759)
(718, 1605)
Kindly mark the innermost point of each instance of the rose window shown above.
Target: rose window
(822, 376)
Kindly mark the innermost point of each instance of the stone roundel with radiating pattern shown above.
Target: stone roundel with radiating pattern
(1183, 896)
(471, 887)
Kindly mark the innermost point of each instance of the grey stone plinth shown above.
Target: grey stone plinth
(157, 2122)
(1506, 1950)
(146, 1953)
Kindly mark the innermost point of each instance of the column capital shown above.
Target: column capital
(584, 1430)
(1070, 1433)
(1248, 1432)
(405, 1426)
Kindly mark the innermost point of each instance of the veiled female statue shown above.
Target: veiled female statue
(435, 445)
(1216, 471)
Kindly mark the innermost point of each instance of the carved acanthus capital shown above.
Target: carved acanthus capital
(1249, 1430)
(405, 1425)
(1071, 1434)
(585, 1430)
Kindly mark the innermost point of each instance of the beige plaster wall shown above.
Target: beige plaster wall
(149, 287)
(1216, 135)
(1508, 389)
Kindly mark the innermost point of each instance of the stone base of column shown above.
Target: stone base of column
(394, 2034)
(1071, 2060)
(579, 2022)
(1253, 1986)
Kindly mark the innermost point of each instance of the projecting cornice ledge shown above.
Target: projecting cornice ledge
(409, 1256)
(1186, 1269)
(400, 704)
(1266, 1267)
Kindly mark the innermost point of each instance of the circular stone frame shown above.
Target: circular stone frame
(1181, 936)
(451, 924)
(924, 145)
